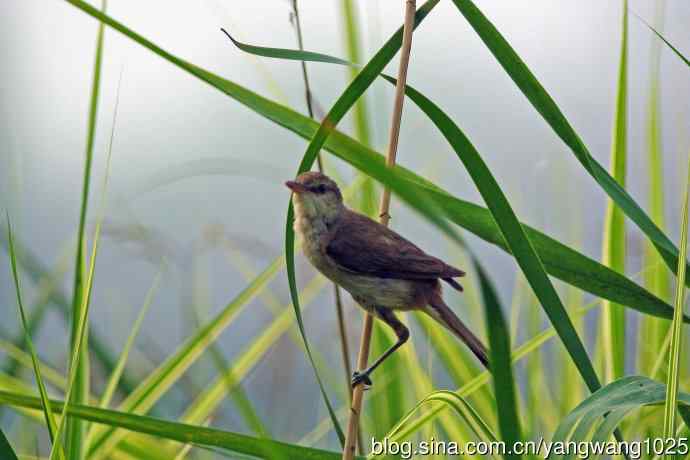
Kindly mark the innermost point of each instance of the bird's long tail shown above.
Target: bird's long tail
(444, 315)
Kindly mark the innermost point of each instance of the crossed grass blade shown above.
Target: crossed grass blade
(74, 435)
(45, 402)
(613, 251)
(195, 434)
(560, 260)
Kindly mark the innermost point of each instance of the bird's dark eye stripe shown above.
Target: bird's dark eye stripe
(321, 188)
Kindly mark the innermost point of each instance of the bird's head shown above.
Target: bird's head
(317, 196)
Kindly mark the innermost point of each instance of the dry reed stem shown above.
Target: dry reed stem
(358, 393)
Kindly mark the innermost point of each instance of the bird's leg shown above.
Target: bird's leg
(388, 317)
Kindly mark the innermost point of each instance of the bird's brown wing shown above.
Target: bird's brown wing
(364, 246)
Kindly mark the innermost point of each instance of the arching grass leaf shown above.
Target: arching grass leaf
(45, 402)
(501, 364)
(462, 408)
(74, 431)
(346, 100)
(549, 110)
(613, 251)
(674, 361)
(616, 399)
(559, 260)
(198, 435)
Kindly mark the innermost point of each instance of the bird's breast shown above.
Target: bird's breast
(310, 233)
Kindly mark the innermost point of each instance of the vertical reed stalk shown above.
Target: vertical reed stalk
(676, 346)
(74, 436)
(613, 251)
(358, 393)
(656, 279)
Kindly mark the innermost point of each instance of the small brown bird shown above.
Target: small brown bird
(380, 269)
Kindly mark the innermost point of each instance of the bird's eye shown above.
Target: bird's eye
(320, 188)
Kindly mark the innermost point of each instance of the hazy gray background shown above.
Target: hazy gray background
(168, 118)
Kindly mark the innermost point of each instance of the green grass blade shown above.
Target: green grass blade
(389, 406)
(613, 402)
(285, 53)
(33, 267)
(613, 252)
(46, 407)
(119, 368)
(168, 372)
(6, 450)
(549, 110)
(335, 114)
(74, 435)
(461, 407)
(663, 39)
(199, 435)
(353, 48)
(208, 400)
(77, 372)
(233, 387)
(114, 378)
(501, 364)
(18, 356)
(140, 443)
(607, 427)
(657, 279)
(417, 379)
(304, 55)
(676, 325)
(560, 260)
(46, 287)
(368, 200)
(239, 397)
(483, 378)
(514, 234)
(451, 354)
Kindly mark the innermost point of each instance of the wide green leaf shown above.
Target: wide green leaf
(45, 402)
(656, 278)
(168, 372)
(462, 408)
(38, 272)
(193, 434)
(416, 97)
(75, 384)
(114, 377)
(501, 365)
(606, 408)
(674, 361)
(613, 251)
(483, 378)
(346, 100)
(285, 53)
(559, 260)
(6, 451)
(138, 443)
(74, 435)
(549, 110)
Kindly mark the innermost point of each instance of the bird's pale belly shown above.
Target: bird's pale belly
(384, 292)
(368, 290)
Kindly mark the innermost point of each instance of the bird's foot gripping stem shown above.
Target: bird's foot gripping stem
(361, 377)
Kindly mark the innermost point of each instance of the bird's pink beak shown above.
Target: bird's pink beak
(296, 187)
